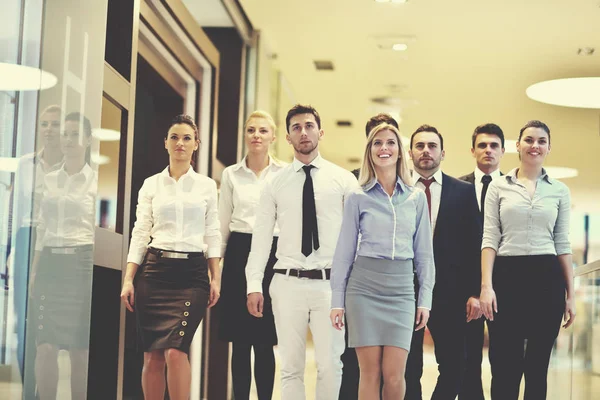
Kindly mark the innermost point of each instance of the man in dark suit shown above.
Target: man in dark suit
(487, 148)
(456, 246)
(351, 371)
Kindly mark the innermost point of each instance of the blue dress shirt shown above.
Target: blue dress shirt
(393, 227)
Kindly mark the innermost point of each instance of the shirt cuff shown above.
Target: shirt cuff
(425, 308)
(488, 244)
(254, 287)
(213, 252)
(338, 299)
(336, 308)
(223, 248)
(136, 257)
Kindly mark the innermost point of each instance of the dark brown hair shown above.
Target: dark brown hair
(535, 124)
(189, 121)
(490, 129)
(381, 118)
(427, 128)
(301, 109)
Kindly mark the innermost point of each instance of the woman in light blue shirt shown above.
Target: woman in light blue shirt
(526, 265)
(374, 286)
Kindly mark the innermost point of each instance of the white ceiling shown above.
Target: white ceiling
(209, 13)
(470, 62)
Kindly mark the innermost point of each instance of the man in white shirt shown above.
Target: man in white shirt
(456, 247)
(487, 149)
(306, 199)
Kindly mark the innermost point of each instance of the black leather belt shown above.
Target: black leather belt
(323, 274)
(175, 254)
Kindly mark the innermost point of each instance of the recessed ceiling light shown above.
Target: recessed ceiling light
(15, 77)
(561, 172)
(382, 1)
(570, 92)
(106, 135)
(8, 164)
(510, 146)
(399, 1)
(400, 47)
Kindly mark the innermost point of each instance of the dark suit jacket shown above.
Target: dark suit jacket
(468, 178)
(457, 242)
(356, 172)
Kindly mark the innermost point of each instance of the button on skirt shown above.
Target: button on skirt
(171, 297)
(380, 303)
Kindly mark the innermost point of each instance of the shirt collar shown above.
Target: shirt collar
(86, 172)
(512, 176)
(168, 179)
(480, 174)
(242, 164)
(438, 176)
(317, 162)
(401, 186)
(39, 158)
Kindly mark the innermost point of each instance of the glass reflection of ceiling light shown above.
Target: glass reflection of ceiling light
(571, 92)
(15, 77)
(561, 172)
(106, 135)
(8, 164)
(510, 146)
(100, 159)
(399, 47)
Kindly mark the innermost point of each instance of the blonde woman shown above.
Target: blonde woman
(374, 288)
(240, 191)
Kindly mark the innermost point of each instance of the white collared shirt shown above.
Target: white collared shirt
(479, 185)
(29, 188)
(238, 199)
(177, 215)
(67, 210)
(436, 193)
(281, 201)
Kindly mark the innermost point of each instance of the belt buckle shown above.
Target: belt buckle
(171, 254)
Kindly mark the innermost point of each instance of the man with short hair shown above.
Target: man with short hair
(306, 198)
(456, 246)
(487, 148)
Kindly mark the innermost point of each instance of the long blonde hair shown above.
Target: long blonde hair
(367, 171)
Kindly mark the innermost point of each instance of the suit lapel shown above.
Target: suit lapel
(446, 194)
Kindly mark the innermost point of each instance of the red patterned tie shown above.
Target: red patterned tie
(427, 183)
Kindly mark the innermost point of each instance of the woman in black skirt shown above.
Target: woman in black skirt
(527, 269)
(174, 244)
(240, 189)
(61, 277)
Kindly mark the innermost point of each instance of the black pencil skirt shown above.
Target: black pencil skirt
(62, 296)
(171, 297)
(236, 322)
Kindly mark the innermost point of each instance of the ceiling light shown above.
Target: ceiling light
(570, 92)
(561, 172)
(15, 77)
(399, 1)
(382, 1)
(106, 135)
(100, 159)
(400, 47)
(510, 146)
(8, 164)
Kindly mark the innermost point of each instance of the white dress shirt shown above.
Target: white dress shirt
(67, 210)
(240, 192)
(177, 215)
(479, 185)
(281, 201)
(436, 193)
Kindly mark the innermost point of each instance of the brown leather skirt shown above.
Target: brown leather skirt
(171, 296)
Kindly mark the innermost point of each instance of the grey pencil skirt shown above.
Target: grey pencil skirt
(380, 303)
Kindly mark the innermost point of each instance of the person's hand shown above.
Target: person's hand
(255, 302)
(488, 303)
(473, 309)
(337, 318)
(570, 313)
(215, 292)
(422, 318)
(128, 295)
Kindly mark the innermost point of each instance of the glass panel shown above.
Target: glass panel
(109, 137)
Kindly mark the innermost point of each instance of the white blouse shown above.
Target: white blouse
(176, 215)
(240, 192)
(67, 209)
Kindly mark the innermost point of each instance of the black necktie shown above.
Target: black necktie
(310, 230)
(486, 179)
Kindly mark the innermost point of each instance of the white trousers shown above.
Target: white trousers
(299, 304)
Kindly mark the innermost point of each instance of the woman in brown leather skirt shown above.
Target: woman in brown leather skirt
(175, 242)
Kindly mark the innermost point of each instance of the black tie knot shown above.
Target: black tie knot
(307, 169)
(486, 179)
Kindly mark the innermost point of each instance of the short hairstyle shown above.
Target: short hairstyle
(186, 120)
(80, 118)
(367, 171)
(301, 109)
(264, 115)
(535, 124)
(490, 129)
(381, 118)
(427, 128)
